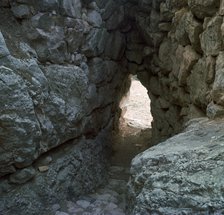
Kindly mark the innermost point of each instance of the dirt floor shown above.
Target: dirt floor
(135, 126)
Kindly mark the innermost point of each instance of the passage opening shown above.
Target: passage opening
(134, 124)
(136, 114)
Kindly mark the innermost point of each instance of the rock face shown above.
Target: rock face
(64, 67)
(60, 87)
(182, 175)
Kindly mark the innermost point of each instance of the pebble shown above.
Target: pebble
(108, 200)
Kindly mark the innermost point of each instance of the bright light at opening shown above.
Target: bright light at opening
(135, 107)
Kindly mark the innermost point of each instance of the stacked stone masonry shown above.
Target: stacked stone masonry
(64, 66)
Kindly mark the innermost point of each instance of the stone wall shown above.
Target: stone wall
(64, 66)
(176, 54)
(62, 74)
(185, 81)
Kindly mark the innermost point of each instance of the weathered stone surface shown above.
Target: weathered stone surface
(211, 38)
(21, 11)
(197, 84)
(180, 33)
(166, 50)
(95, 42)
(214, 111)
(190, 57)
(86, 157)
(221, 9)
(3, 48)
(18, 121)
(217, 90)
(22, 176)
(203, 8)
(71, 8)
(193, 29)
(65, 66)
(179, 175)
(94, 18)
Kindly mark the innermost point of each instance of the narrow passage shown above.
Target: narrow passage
(133, 138)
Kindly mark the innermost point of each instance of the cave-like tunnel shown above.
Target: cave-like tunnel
(65, 66)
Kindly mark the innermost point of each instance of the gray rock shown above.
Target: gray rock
(71, 8)
(95, 42)
(182, 174)
(214, 111)
(94, 18)
(18, 119)
(190, 57)
(3, 48)
(204, 8)
(22, 176)
(60, 90)
(21, 11)
(211, 42)
(109, 7)
(217, 89)
(221, 9)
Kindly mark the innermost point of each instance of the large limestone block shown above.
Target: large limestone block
(211, 38)
(19, 128)
(197, 85)
(75, 33)
(40, 109)
(68, 87)
(166, 52)
(221, 9)
(179, 21)
(47, 37)
(218, 86)
(193, 29)
(203, 8)
(183, 175)
(189, 58)
(187, 29)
